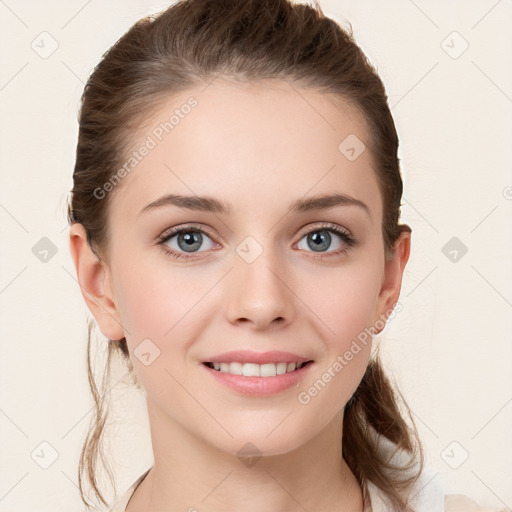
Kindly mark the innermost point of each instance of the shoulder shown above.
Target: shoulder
(426, 494)
(121, 504)
(433, 500)
(461, 503)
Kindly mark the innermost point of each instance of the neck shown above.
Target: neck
(190, 475)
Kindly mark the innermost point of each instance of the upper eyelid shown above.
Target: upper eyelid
(327, 226)
(169, 233)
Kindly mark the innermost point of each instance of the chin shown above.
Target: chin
(260, 444)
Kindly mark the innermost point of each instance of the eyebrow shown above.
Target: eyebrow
(210, 204)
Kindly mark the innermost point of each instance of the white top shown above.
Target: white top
(428, 497)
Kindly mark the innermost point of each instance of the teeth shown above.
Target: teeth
(257, 370)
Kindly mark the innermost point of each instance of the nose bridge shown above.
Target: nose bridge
(261, 294)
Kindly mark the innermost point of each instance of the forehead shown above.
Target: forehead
(254, 145)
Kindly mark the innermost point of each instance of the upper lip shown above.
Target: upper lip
(249, 356)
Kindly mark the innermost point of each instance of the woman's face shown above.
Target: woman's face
(248, 278)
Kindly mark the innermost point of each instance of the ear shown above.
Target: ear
(95, 283)
(392, 278)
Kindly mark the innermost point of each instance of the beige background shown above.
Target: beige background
(450, 348)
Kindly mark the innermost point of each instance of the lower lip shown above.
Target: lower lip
(259, 386)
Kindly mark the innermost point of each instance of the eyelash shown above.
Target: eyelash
(349, 241)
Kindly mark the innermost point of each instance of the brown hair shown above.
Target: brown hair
(190, 43)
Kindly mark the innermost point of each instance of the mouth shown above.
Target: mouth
(253, 373)
(257, 370)
(263, 380)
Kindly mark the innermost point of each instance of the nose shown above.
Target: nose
(259, 294)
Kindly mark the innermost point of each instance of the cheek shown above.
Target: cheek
(344, 304)
(154, 302)
(158, 311)
(345, 301)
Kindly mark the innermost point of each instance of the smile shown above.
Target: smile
(255, 379)
(257, 370)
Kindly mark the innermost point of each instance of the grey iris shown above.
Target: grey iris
(319, 240)
(191, 241)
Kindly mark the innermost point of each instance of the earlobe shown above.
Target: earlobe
(393, 273)
(95, 284)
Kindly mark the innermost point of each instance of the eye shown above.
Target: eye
(176, 242)
(320, 239)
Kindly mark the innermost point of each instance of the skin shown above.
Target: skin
(258, 147)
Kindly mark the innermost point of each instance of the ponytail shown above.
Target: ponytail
(371, 414)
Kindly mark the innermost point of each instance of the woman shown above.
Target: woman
(235, 229)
